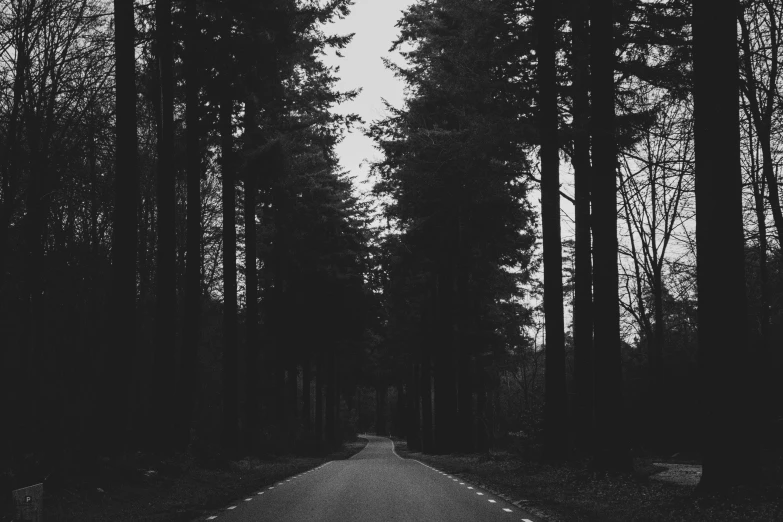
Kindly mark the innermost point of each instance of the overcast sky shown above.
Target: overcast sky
(373, 22)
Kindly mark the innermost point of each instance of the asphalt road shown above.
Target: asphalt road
(373, 485)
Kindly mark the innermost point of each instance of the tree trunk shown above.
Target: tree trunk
(611, 448)
(763, 271)
(658, 339)
(402, 419)
(427, 442)
(445, 371)
(33, 320)
(583, 268)
(121, 347)
(192, 328)
(413, 431)
(380, 407)
(280, 402)
(320, 373)
(556, 398)
(331, 398)
(482, 435)
(306, 380)
(730, 449)
(251, 285)
(230, 390)
(93, 160)
(166, 278)
(292, 392)
(465, 400)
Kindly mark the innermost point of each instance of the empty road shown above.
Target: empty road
(373, 485)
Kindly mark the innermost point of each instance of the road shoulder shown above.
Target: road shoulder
(569, 492)
(178, 490)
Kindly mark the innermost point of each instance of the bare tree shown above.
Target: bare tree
(656, 189)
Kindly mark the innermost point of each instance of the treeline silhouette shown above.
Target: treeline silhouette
(186, 268)
(179, 239)
(670, 348)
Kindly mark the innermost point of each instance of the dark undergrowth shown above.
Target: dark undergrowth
(569, 492)
(179, 489)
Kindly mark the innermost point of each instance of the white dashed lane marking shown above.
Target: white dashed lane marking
(507, 510)
(213, 517)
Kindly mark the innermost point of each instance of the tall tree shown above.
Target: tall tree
(226, 130)
(583, 268)
(611, 447)
(192, 325)
(730, 451)
(556, 400)
(166, 279)
(251, 283)
(119, 354)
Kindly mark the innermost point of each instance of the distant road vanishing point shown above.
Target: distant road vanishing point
(373, 485)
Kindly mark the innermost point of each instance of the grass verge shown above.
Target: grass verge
(570, 493)
(180, 490)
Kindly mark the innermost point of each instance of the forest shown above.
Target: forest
(571, 246)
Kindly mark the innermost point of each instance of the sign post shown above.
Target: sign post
(29, 503)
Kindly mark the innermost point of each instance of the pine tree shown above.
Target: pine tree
(583, 298)
(611, 448)
(120, 352)
(556, 400)
(228, 168)
(165, 314)
(192, 324)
